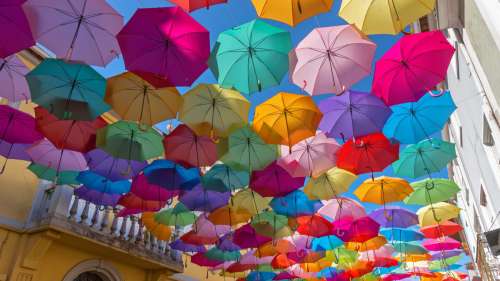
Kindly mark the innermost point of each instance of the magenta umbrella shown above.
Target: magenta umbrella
(46, 154)
(274, 181)
(150, 192)
(342, 208)
(412, 67)
(246, 237)
(17, 126)
(331, 59)
(361, 230)
(14, 28)
(78, 30)
(165, 46)
(442, 244)
(14, 85)
(310, 157)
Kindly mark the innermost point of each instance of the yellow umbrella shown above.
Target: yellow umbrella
(384, 16)
(249, 201)
(383, 190)
(286, 119)
(435, 213)
(330, 184)
(211, 110)
(135, 99)
(316, 266)
(291, 12)
(160, 231)
(372, 244)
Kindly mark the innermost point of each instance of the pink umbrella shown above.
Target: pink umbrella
(78, 30)
(342, 208)
(310, 157)
(165, 46)
(331, 59)
(205, 228)
(148, 191)
(251, 258)
(14, 28)
(46, 154)
(246, 237)
(441, 244)
(385, 251)
(412, 67)
(361, 230)
(14, 85)
(274, 181)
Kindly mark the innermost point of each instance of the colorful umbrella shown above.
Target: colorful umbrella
(160, 231)
(293, 12)
(412, 67)
(195, 238)
(342, 208)
(46, 154)
(430, 191)
(135, 99)
(361, 230)
(409, 248)
(442, 244)
(177, 216)
(251, 57)
(149, 191)
(443, 228)
(329, 60)
(14, 28)
(97, 197)
(12, 72)
(113, 168)
(383, 190)
(201, 260)
(17, 126)
(401, 234)
(394, 216)
(182, 246)
(177, 46)
(200, 199)
(68, 90)
(414, 121)
(436, 213)
(99, 183)
(51, 174)
(249, 201)
(222, 178)
(171, 176)
(191, 5)
(326, 243)
(134, 204)
(79, 30)
(329, 184)
(315, 226)
(295, 204)
(13, 151)
(274, 181)
(268, 223)
(246, 237)
(203, 227)
(229, 216)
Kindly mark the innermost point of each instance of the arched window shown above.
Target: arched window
(90, 276)
(93, 270)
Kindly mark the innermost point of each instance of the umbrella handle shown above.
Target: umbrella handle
(143, 127)
(3, 167)
(441, 92)
(340, 232)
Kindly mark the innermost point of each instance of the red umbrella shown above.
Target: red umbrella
(314, 225)
(68, 134)
(361, 230)
(274, 181)
(183, 146)
(445, 228)
(282, 261)
(201, 260)
(192, 237)
(238, 267)
(191, 5)
(367, 154)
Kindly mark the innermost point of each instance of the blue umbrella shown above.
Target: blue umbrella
(414, 121)
(99, 183)
(260, 276)
(401, 234)
(326, 243)
(172, 176)
(295, 204)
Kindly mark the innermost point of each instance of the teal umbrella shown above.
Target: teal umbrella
(251, 57)
(409, 248)
(61, 177)
(223, 178)
(68, 90)
(426, 157)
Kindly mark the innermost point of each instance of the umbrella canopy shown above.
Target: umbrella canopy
(46, 154)
(326, 243)
(414, 121)
(430, 191)
(68, 134)
(412, 67)
(367, 154)
(361, 230)
(14, 27)
(200, 199)
(268, 223)
(134, 204)
(246, 237)
(160, 231)
(12, 72)
(409, 248)
(331, 59)
(17, 126)
(315, 226)
(97, 197)
(251, 57)
(250, 201)
(342, 208)
(210, 110)
(135, 99)
(205, 228)
(274, 181)
(442, 244)
(402, 234)
(228, 215)
(78, 30)
(292, 12)
(286, 119)
(191, 5)
(383, 190)
(171, 176)
(201, 260)
(221, 178)
(295, 204)
(329, 184)
(426, 157)
(68, 90)
(384, 17)
(178, 46)
(436, 213)
(149, 191)
(182, 246)
(113, 168)
(394, 216)
(177, 216)
(371, 244)
(13, 151)
(443, 228)
(99, 183)
(127, 140)
(353, 114)
(183, 146)
(51, 174)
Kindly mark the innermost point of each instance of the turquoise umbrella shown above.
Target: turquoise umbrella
(401, 234)
(326, 243)
(223, 178)
(426, 157)
(68, 90)
(251, 57)
(409, 248)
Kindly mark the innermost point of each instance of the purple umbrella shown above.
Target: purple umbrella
(445, 254)
(246, 237)
(14, 28)
(227, 244)
(97, 197)
(186, 247)
(14, 85)
(17, 126)
(394, 217)
(200, 199)
(353, 114)
(112, 168)
(46, 154)
(274, 181)
(13, 151)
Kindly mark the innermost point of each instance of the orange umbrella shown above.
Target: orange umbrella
(266, 250)
(229, 216)
(383, 190)
(371, 244)
(160, 231)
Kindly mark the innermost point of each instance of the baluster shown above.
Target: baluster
(114, 224)
(131, 232)
(123, 228)
(147, 238)
(139, 238)
(95, 217)
(85, 213)
(154, 244)
(74, 208)
(105, 219)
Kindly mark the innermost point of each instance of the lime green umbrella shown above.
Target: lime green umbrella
(342, 256)
(431, 191)
(247, 151)
(46, 173)
(127, 140)
(426, 157)
(440, 264)
(180, 215)
(68, 90)
(251, 57)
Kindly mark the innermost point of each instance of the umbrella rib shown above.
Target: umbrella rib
(92, 36)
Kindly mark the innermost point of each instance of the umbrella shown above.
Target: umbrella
(286, 119)
(436, 213)
(409, 248)
(13, 151)
(127, 140)
(401, 234)
(51, 174)
(180, 215)
(251, 57)
(292, 12)
(12, 72)
(326, 243)
(446, 254)
(97, 197)
(14, 28)
(166, 46)
(250, 201)
(412, 67)
(78, 30)
(246, 237)
(371, 244)
(442, 244)
(222, 178)
(329, 184)
(99, 183)
(200, 199)
(149, 191)
(384, 17)
(134, 204)
(443, 228)
(201, 260)
(329, 60)
(17, 126)
(430, 191)
(414, 121)
(426, 157)
(160, 231)
(361, 230)
(68, 90)
(229, 216)
(295, 204)
(342, 208)
(260, 276)
(182, 246)
(251, 259)
(274, 181)
(195, 238)
(46, 154)
(135, 99)
(247, 151)
(383, 190)
(394, 216)
(268, 223)
(191, 5)
(171, 176)
(353, 114)
(205, 228)
(113, 168)
(367, 154)
(210, 110)
(68, 134)
(219, 255)
(310, 157)
(315, 226)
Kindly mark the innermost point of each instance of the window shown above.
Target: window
(461, 11)
(467, 195)
(482, 197)
(487, 135)
(89, 276)
(477, 223)
(461, 136)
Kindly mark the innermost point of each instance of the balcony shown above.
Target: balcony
(488, 264)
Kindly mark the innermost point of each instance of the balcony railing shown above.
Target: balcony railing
(487, 263)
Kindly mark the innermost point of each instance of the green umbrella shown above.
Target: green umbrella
(127, 140)
(440, 264)
(221, 255)
(180, 215)
(223, 178)
(426, 157)
(68, 90)
(342, 256)
(409, 248)
(251, 57)
(247, 151)
(46, 173)
(268, 223)
(431, 191)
